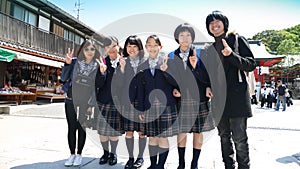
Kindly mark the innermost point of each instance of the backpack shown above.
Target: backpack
(250, 78)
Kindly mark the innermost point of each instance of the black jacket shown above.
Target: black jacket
(236, 98)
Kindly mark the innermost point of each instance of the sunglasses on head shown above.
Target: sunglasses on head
(91, 49)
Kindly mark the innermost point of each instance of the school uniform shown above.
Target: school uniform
(194, 116)
(127, 95)
(157, 100)
(109, 118)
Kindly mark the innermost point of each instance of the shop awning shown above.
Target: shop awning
(30, 58)
(6, 55)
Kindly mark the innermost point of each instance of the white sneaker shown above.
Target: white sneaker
(77, 160)
(70, 161)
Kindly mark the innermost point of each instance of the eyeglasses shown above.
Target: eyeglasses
(89, 49)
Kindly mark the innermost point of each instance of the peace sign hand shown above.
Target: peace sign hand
(227, 50)
(102, 66)
(69, 56)
(122, 63)
(164, 65)
(193, 59)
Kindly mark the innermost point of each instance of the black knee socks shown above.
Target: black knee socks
(181, 154)
(196, 154)
(163, 154)
(153, 150)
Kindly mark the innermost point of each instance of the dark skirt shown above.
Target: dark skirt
(110, 120)
(161, 121)
(195, 117)
(131, 121)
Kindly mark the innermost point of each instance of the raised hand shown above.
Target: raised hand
(102, 66)
(193, 59)
(69, 56)
(164, 65)
(122, 63)
(227, 50)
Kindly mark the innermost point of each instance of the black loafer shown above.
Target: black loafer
(129, 164)
(113, 159)
(104, 159)
(138, 163)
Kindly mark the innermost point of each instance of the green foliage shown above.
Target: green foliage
(281, 42)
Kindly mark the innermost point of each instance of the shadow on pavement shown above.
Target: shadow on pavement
(290, 159)
(87, 163)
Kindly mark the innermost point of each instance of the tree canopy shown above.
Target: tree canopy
(281, 42)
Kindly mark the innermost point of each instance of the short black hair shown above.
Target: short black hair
(182, 28)
(219, 16)
(134, 40)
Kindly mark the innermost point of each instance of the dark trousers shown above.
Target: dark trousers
(234, 129)
(73, 127)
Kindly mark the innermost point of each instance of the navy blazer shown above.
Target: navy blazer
(184, 77)
(127, 84)
(103, 84)
(147, 83)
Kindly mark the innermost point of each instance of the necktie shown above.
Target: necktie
(184, 56)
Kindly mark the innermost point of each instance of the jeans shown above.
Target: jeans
(283, 100)
(234, 129)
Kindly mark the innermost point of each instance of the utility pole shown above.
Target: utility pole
(77, 8)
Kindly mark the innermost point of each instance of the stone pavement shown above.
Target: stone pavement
(35, 137)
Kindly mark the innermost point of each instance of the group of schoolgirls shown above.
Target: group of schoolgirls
(153, 96)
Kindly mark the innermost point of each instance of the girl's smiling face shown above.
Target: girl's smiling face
(152, 48)
(132, 50)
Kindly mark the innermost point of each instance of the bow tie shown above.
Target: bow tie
(134, 62)
(153, 63)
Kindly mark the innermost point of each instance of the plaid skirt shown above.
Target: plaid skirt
(109, 120)
(161, 121)
(194, 117)
(131, 121)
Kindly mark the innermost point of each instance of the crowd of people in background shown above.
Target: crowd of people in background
(272, 95)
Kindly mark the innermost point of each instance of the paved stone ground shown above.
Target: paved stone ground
(34, 137)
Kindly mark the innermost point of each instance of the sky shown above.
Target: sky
(245, 17)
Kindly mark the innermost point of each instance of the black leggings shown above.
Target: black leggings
(73, 126)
